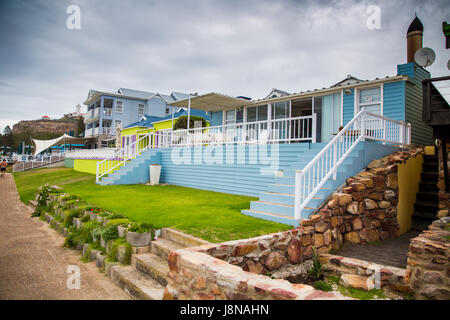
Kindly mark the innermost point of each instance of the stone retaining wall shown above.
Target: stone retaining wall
(194, 275)
(365, 275)
(363, 210)
(428, 270)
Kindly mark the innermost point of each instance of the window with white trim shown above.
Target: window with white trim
(167, 112)
(370, 99)
(118, 124)
(119, 106)
(230, 117)
(141, 109)
(258, 113)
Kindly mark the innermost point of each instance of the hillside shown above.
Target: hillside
(59, 126)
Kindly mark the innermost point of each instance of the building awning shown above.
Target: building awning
(42, 145)
(212, 102)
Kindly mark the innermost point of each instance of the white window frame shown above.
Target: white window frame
(358, 104)
(143, 109)
(119, 101)
(115, 124)
(167, 111)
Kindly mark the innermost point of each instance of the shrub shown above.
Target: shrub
(85, 218)
(110, 233)
(42, 198)
(114, 253)
(81, 235)
(181, 122)
(116, 216)
(316, 271)
(73, 213)
(322, 285)
(118, 222)
(140, 227)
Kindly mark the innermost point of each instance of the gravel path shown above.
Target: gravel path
(33, 263)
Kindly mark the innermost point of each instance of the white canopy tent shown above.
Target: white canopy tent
(42, 145)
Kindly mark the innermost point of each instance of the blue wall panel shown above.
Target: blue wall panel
(349, 106)
(394, 100)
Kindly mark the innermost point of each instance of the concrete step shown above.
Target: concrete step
(136, 284)
(290, 221)
(272, 207)
(153, 266)
(181, 238)
(162, 247)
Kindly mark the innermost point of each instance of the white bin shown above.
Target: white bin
(155, 172)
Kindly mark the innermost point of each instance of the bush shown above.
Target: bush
(81, 235)
(42, 198)
(110, 233)
(118, 222)
(116, 216)
(181, 122)
(322, 285)
(73, 213)
(140, 227)
(114, 253)
(316, 271)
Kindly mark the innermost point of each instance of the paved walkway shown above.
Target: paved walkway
(33, 263)
(391, 252)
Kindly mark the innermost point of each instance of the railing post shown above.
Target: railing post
(334, 160)
(363, 124)
(314, 127)
(97, 172)
(298, 186)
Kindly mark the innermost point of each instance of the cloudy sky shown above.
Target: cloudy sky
(233, 47)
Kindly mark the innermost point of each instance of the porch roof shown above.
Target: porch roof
(212, 102)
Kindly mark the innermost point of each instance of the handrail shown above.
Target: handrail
(121, 156)
(37, 162)
(364, 125)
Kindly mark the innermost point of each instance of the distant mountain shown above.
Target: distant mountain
(57, 126)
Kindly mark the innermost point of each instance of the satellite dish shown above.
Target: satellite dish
(424, 57)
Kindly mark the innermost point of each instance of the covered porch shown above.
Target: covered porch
(241, 121)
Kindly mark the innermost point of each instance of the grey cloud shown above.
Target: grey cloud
(235, 47)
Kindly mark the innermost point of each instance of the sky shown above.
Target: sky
(199, 46)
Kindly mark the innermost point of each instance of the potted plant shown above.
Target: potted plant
(108, 233)
(139, 234)
(155, 173)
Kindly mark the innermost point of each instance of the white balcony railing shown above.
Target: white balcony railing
(364, 125)
(260, 132)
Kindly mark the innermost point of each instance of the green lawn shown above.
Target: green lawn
(213, 216)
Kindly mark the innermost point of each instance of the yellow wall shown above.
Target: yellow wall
(408, 186)
(87, 165)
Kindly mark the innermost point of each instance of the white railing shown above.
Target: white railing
(100, 153)
(269, 131)
(37, 161)
(364, 125)
(120, 157)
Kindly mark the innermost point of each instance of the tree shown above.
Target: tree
(181, 122)
(7, 130)
(8, 138)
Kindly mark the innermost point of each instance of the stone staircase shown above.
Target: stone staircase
(146, 277)
(427, 202)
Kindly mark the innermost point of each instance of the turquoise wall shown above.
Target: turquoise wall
(394, 100)
(349, 106)
(216, 118)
